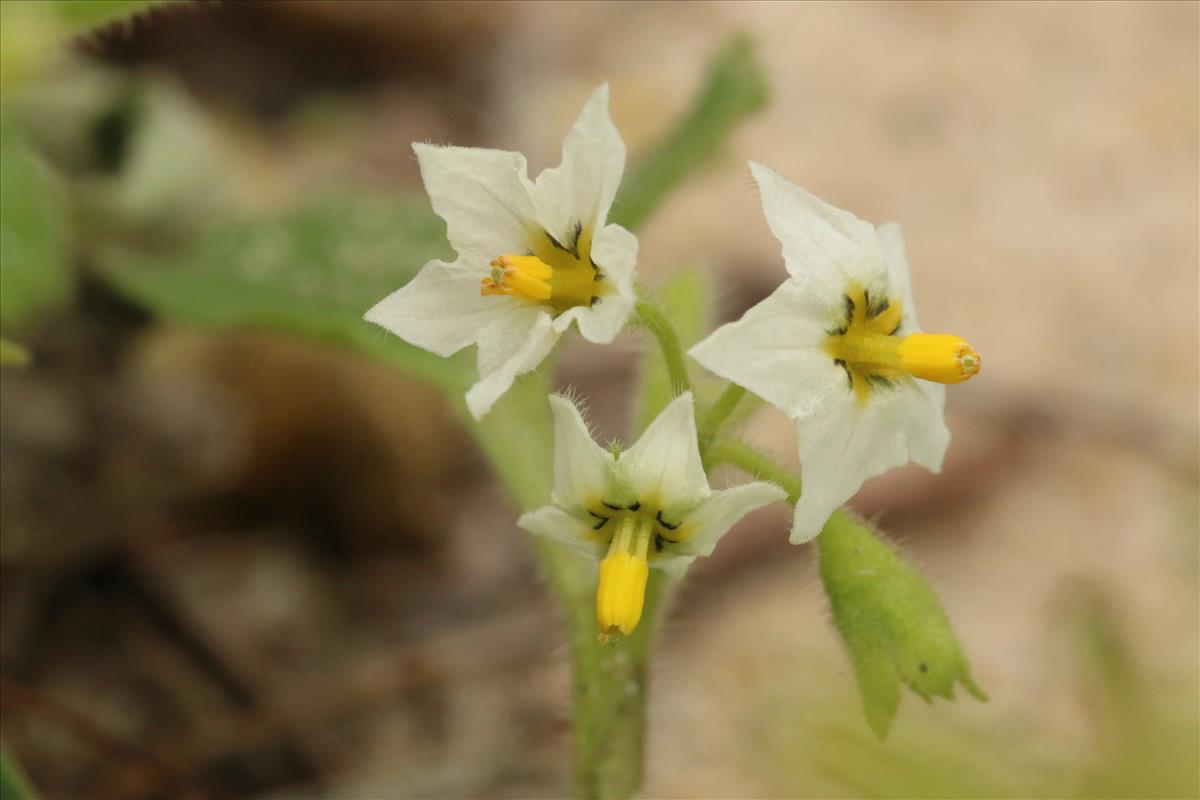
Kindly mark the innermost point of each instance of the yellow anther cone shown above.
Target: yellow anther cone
(938, 357)
(621, 593)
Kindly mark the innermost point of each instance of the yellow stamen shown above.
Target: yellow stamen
(938, 357)
(518, 276)
(867, 347)
(623, 575)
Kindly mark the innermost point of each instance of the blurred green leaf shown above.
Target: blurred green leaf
(890, 621)
(734, 87)
(12, 354)
(34, 269)
(518, 438)
(32, 31)
(687, 300)
(79, 15)
(13, 783)
(310, 272)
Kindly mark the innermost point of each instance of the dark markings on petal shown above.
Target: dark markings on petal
(664, 523)
(603, 521)
(575, 234)
(559, 245)
(838, 331)
(595, 268)
(849, 377)
(896, 330)
(849, 303)
(880, 382)
(659, 541)
(867, 301)
(607, 504)
(597, 516)
(635, 506)
(879, 309)
(593, 301)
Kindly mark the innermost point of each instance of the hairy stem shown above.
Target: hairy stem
(652, 318)
(752, 460)
(720, 412)
(609, 699)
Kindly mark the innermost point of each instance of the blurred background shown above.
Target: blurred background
(242, 560)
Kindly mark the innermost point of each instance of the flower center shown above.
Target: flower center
(868, 346)
(559, 275)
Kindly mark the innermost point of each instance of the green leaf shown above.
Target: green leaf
(686, 299)
(80, 15)
(13, 783)
(34, 267)
(12, 354)
(890, 621)
(310, 272)
(31, 31)
(735, 87)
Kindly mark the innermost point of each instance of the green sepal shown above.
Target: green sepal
(890, 621)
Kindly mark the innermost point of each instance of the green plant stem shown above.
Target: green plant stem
(752, 460)
(652, 318)
(609, 698)
(720, 413)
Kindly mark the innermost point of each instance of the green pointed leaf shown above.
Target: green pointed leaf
(34, 268)
(734, 88)
(890, 621)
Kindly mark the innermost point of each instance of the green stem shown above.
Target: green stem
(609, 699)
(752, 460)
(720, 412)
(652, 318)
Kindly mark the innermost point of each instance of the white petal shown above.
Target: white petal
(721, 511)
(664, 465)
(440, 310)
(615, 251)
(775, 350)
(483, 195)
(554, 523)
(928, 436)
(510, 346)
(824, 247)
(848, 444)
(675, 566)
(581, 467)
(899, 278)
(582, 188)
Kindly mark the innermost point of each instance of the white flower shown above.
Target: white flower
(651, 506)
(533, 256)
(837, 347)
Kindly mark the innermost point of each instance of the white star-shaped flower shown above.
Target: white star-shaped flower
(649, 506)
(533, 256)
(838, 348)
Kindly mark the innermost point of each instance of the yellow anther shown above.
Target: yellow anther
(938, 357)
(518, 276)
(623, 575)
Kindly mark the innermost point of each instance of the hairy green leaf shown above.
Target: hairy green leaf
(734, 87)
(890, 621)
